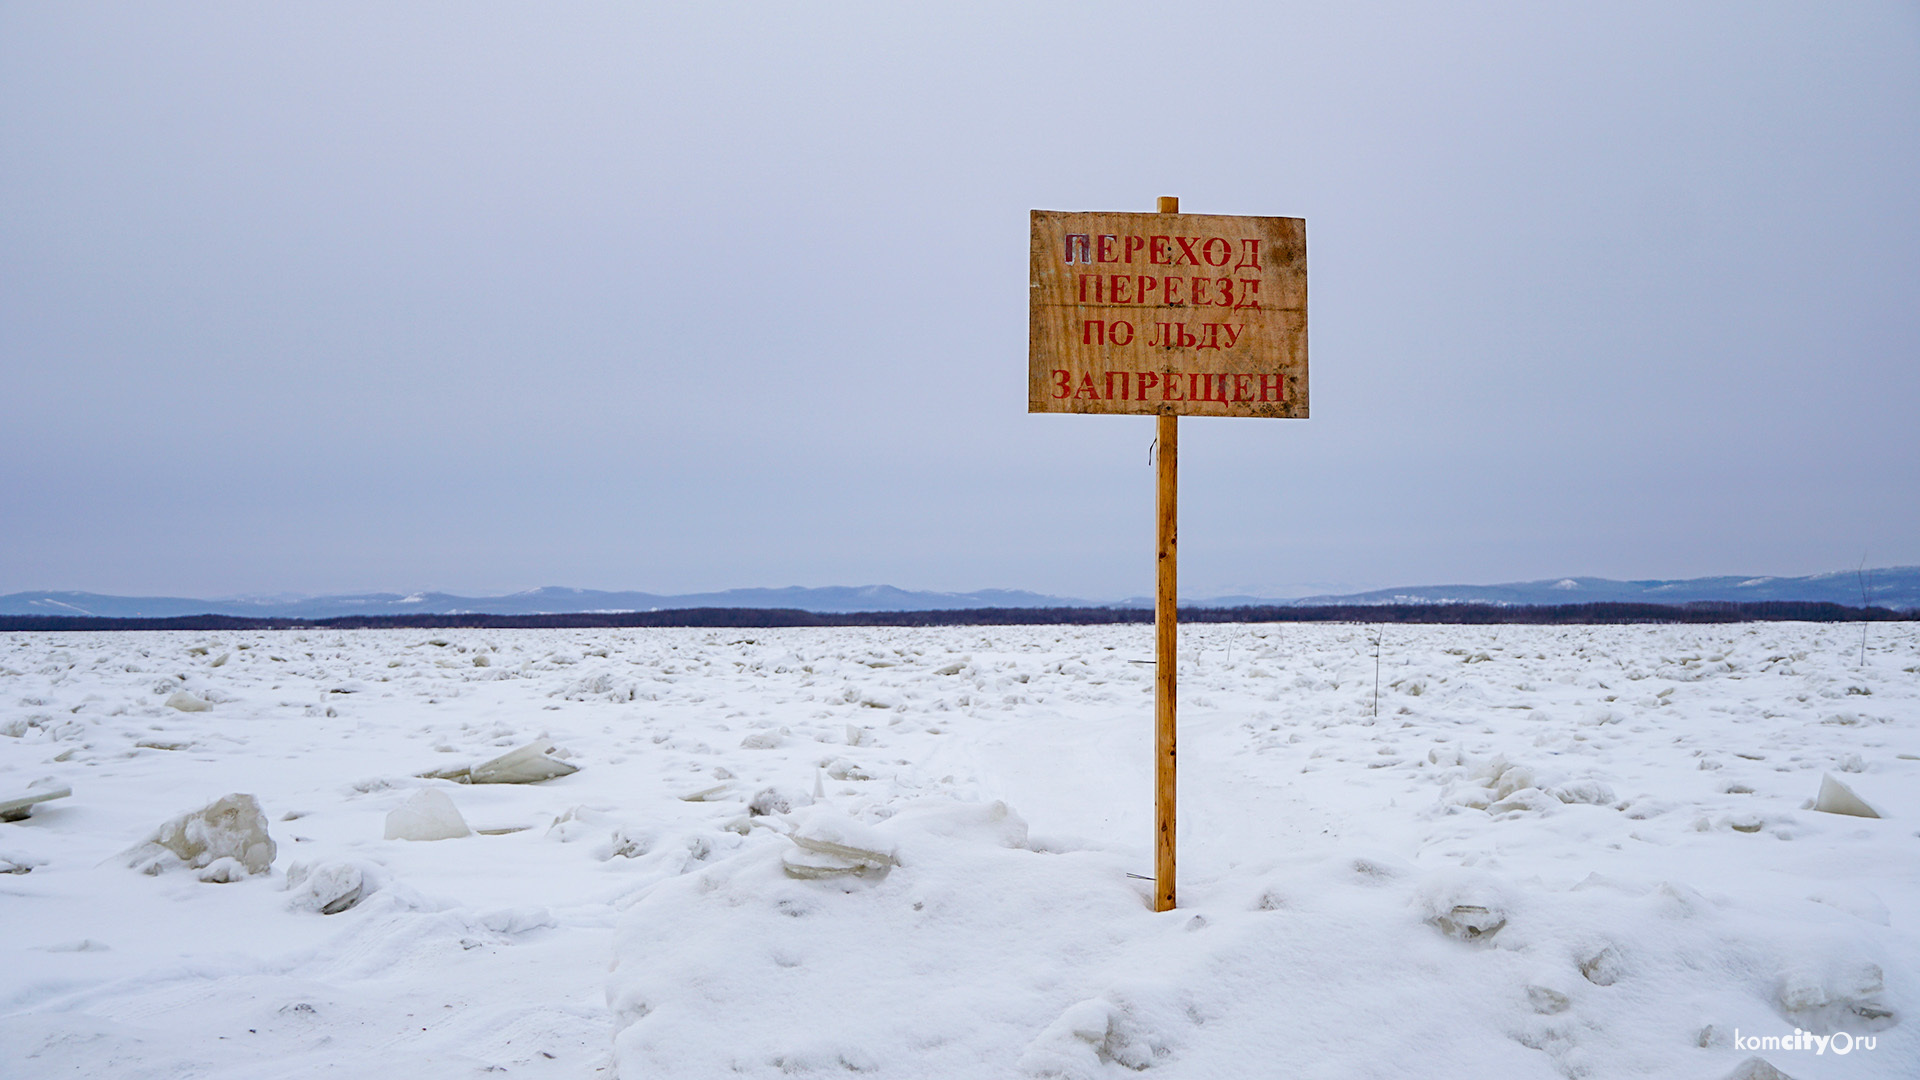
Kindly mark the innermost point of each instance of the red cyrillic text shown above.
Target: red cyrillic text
(1173, 335)
(1223, 389)
(1085, 248)
(1237, 294)
(1100, 332)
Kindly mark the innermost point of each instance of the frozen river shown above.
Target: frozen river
(1538, 852)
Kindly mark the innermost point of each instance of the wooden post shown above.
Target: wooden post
(1166, 633)
(1082, 359)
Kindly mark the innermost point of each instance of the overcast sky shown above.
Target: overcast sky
(479, 298)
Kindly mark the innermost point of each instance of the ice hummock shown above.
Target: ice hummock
(228, 836)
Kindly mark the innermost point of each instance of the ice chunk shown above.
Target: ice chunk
(1462, 904)
(328, 888)
(843, 837)
(1837, 798)
(1503, 777)
(834, 845)
(842, 769)
(1375, 870)
(1603, 968)
(774, 800)
(528, 764)
(1525, 799)
(710, 794)
(223, 870)
(814, 866)
(579, 823)
(623, 843)
(1547, 1001)
(428, 815)
(1591, 792)
(232, 827)
(1842, 998)
(1469, 922)
(13, 862)
(186, 702)
(42, 790)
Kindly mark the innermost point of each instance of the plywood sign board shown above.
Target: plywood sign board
(1185, 314)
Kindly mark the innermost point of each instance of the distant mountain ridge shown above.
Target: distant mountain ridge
(552, 600)
(1895, 587)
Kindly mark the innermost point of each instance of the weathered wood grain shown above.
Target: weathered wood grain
(1166, 652)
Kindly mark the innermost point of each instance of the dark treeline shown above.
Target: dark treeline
(745, 618)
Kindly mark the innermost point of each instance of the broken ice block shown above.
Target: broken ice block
(17, 809)
(1837, 798)
(328, 888)
(231, 827)
(832, 845)
(428, 815)
(528, 764)
(1469, 922)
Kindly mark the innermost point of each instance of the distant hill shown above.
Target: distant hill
(1897, 588)
(552, 600)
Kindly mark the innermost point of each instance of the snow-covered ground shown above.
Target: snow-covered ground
(1552, 852)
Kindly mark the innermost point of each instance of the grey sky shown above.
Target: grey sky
(481, 298)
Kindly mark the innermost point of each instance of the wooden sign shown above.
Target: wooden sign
(1169, 314)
